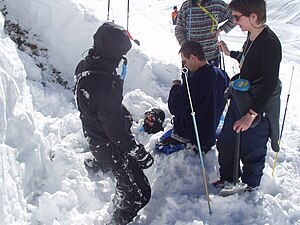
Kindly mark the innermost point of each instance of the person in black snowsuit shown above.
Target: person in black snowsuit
(106, 125)
(207, 84)
(253, 114)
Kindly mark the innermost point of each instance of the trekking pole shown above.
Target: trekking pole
(236, 158)
(286, 105)
(127, 13)
(108, 7)
(135, 40)
(185, 71)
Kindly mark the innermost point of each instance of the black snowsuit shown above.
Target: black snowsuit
(99, 99)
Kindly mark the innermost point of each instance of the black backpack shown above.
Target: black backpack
(111, 42)
(153, 120)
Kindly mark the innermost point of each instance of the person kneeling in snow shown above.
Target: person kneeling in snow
(105, 122)
(206, 84)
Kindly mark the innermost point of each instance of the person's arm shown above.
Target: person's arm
(112, 118)
(180, 28)
(226, 16)
(178, 98)
(233, 54)
(270, 59)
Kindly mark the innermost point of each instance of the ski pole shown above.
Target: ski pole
(135, 40)
(236, 158)
(108, 7)
(127, 13)
(185, 71)
(286, 105)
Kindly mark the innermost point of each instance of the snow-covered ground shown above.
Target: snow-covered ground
(43, 179)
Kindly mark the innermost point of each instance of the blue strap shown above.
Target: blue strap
(124, 69)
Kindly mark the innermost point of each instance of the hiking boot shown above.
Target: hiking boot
(231, 189)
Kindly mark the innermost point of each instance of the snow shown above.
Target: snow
(43, 179)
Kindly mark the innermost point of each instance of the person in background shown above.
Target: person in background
(174, 15)
(199, 21)
(106, 124)
(254, 114)
(207, 84)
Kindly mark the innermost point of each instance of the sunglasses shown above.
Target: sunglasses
(237, 18)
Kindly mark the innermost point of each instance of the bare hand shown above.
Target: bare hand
(217, 33)
(243, 123)
(223, 47)
(176, 82)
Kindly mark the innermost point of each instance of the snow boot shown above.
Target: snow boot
(231, 189)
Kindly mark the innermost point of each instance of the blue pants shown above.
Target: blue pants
(253, 148)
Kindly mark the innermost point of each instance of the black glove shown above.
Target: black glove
(143, 157)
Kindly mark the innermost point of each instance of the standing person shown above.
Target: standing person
(207, 84)
(253, 113)
(174, 15)
(202, 25)
(99, 98)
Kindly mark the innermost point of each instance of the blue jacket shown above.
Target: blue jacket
(207, 87)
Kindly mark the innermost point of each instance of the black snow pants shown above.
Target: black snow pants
(133, 190)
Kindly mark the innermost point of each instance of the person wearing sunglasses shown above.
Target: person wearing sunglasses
(253, 113)
(198, 20)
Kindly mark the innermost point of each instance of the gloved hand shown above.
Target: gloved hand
(143, 157)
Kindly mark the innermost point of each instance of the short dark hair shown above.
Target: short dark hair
(192, 48)
(246, 7)
(175, 7)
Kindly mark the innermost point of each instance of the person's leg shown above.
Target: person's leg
(253, 152)
(133, 190)
(103, 156)
(226, 144)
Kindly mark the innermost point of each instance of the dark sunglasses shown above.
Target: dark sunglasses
(237, 18)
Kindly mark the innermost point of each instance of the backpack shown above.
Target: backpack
(153, 120)
(111, 42)
(168, 145)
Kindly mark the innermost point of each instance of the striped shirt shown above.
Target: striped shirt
(201, 25)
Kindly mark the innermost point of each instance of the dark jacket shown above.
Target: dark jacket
(262, 63)
(99, 99)
(207, 87)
